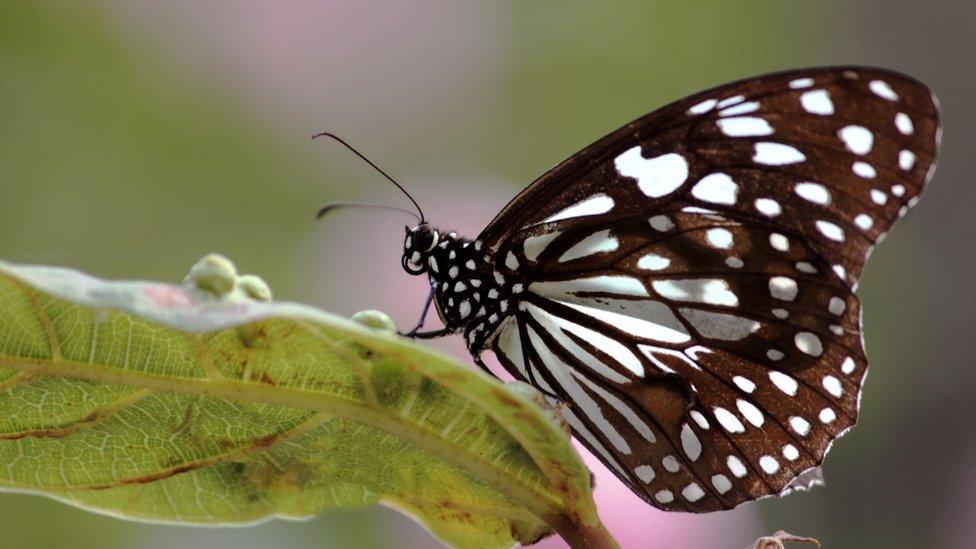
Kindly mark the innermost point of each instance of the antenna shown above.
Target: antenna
(339, 205)
(375, 167)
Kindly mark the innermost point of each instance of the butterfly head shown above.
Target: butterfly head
(417, 247)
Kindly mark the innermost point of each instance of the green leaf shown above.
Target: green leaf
(173, 403)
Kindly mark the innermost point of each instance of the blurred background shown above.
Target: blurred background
(135, 136)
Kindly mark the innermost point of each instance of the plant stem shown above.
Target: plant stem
(581, 536)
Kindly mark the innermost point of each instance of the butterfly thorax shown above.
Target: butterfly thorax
(472, 295)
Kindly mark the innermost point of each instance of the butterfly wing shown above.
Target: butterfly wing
(689, 278)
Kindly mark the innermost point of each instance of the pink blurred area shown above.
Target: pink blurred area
(390, 71)
(399, 69)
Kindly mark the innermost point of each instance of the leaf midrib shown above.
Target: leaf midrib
(538, 502)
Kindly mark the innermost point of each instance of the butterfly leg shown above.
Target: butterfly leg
(484, 367)
(433, 334)
(415, 332)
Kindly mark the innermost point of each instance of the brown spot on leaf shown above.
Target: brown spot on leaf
(266, 379)
(506, 398)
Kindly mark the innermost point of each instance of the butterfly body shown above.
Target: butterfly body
(685, 285)
(472, 295)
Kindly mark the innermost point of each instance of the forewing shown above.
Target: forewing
(690, 285)
(867, 137)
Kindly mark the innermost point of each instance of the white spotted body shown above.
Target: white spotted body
(685, 285)
(472, 296)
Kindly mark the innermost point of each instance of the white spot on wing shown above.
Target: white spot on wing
(653, 262)
(510, 261)
(769, 464)
(883, 90)
(728, 101)
(800, 425)
(594, 205)
(721, 483)
(661, 223)
(699, 419)
(717, 187)
(904, 124)
(613, 284)
(741, 108)
(596, 243)
(744, 384)
(833, 386)
(728, 420)
(736, 467)
(703, 107)
(744, 126)
(645, 473)
(533, 246)
(783, 288)
(656, 177)
(809, 343)
(750, 412)
(723, 326)
(776, 154)
(805, 267)
(779, 242)
(857, 139)
(827, 415)
(800, 83)
(817, 102)
(768, 207)
(637, 326)
(719, 238)
(813, 192)
(878, 197)
(906, 160)
(847, 366)
(784, 382)
(863, 169)
(714, 291)
(693, 492)
(864, 221)
(830, 230)
(690, 443)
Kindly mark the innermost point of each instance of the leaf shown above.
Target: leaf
(203, 404)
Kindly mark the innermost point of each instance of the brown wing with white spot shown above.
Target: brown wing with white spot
(690, 294)
(855, 144)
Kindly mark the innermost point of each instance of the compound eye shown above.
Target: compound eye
(422, 238)
(434, 236)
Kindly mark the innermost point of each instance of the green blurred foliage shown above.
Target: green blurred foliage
(95, 123)
(582, 69)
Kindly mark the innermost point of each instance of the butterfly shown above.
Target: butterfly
(684, 287)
